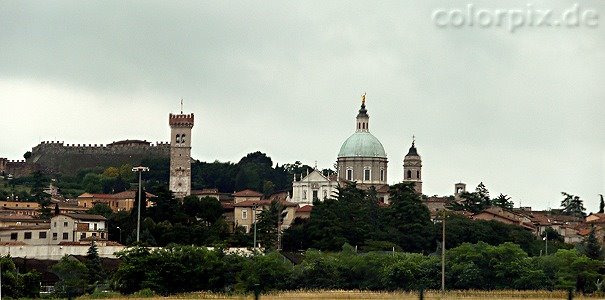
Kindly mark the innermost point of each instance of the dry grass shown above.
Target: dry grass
(429, 295)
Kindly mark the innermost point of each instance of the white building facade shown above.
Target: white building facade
(313, 186)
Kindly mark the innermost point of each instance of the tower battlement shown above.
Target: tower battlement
(185, 120)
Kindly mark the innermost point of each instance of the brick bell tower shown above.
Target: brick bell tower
(180, 154)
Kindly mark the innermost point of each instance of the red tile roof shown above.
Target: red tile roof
(250, 203)
(120, 195)
(205, 192)
(306, 208)
(248, 193)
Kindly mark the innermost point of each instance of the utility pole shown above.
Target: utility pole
(443, 252)
(278, 225)
(139, 169)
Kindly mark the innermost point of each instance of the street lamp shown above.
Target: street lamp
(254, 221)
(120, 229)
(443, 252)
(140, 170)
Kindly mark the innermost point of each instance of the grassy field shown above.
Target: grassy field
(506, 295)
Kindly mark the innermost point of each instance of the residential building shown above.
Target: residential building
(62, 228)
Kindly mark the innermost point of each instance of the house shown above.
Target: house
(25, 235)
(214, 193)
(62, 229)
(303, 212)
(246, 212)
(77, 227)
(122, 201)
(246, 195)
(21, 207)
(13, 220)
(498, 214)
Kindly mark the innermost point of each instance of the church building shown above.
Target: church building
(362, 158)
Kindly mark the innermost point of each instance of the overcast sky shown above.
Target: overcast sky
(522, 111)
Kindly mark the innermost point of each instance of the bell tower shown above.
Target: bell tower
(412, 168)
(180, 154)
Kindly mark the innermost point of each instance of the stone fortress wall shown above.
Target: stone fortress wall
(56, 157)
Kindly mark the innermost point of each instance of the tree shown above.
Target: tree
(592, 246)
(96, 273)
(266, 226)
(572, 205)
(473, 202)
(16, 284)
(503, 201)
(601, 205)
(72, 277)
(411, 219)
(101, 209)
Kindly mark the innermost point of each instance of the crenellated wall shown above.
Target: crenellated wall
(58, 157)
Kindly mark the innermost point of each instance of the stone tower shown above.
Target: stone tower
(180, 154)
(412, 168)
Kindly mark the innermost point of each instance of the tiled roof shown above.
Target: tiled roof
(120, 195)
(86, 217)
(306, 208)
(16, 217)
(248, 193)
(26, 227)
(205, 192)
(250, 203)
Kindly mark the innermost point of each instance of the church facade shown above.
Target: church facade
(361, 160)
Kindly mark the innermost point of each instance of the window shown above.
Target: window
(54, 235)
(409, 174)
(244, 214)
(182, 139)
(315, 195)
(178, 138)
(65, 235)
(64, 224)
(84, 206)
(94, 234)
(42, 234)
(83, 235)
(418, 174)
(27, 235)
(325, 194)
(102, 235)
(246, 230)
(304, 195)
(96, 223)
(55, 223)
(367, 174)
(349, 174)
(381, 174)
(14, 236)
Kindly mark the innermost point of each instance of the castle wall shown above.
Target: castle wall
(57, 157)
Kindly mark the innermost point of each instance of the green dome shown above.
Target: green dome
(362, 144)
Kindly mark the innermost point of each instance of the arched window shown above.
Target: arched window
(182, 139)
(409, 174)
(178, 138)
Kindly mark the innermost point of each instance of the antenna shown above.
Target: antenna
(181, 105)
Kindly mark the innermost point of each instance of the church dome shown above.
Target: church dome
(362, 144)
